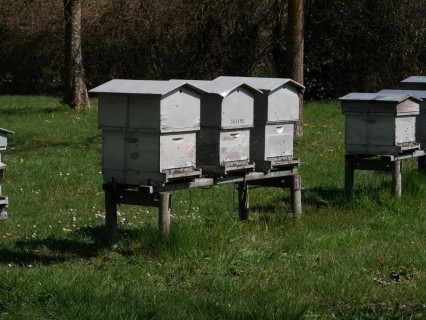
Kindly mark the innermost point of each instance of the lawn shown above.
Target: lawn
(360, 257)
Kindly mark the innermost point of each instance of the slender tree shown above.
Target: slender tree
(295, 51)
(75, 93)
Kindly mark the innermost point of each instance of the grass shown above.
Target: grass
(360, 257)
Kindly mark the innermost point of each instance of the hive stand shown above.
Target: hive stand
(384, 163)
(161, 197)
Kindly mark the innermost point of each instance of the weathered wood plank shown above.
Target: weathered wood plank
(243, 201)
(111, 216)
(296, 196)
(397, 178)
(164, 210)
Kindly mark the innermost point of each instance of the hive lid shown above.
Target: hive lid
(385, 97)
(415, 93)
(156, 87)
(265, 84)
(6, 131)
(415, 79)
(221, 87)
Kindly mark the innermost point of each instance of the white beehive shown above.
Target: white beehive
(272, 142)
(421, 118)
(3, 199)
(148, 130)
(378, 124)
(415, 83)
(278, 100)
(227, 110)
(276, 109)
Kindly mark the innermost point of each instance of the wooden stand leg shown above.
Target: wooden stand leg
(243, 201)
(349, 174)
(296, 196)
(164, 209)
(111, 217)
(397, 178)
(422, 164)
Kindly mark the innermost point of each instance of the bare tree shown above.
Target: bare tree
(295, 51)
(75, 93)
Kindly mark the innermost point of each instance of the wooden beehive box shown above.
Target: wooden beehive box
(148, 105)
(148, 130)
(272, 143)
(379, 124)
(278, 100)
(227, 108)
(141, 158)
(421, 118)
(3, 138)
(276, 109)
(414, 83)
(3, 200)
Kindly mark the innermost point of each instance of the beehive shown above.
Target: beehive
(148, 130)
(378, 124)
(3, 199)
(415, 83)
(278, 100)
(276, 109)
(227, 107)
(421, 118)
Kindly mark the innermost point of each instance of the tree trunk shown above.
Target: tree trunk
(75, 92)
(295, 52)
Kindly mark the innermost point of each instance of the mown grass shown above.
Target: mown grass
(360, 257)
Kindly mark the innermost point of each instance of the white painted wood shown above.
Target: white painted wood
(135, 157)
(3, 138)
(216, 146)
(405, 130)
(227, 104)
(414, 83)
(271, 140)
(378, 123)
(421, 118)
(283, 105)
(279, 100)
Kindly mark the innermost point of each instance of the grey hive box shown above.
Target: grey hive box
(223, 143)
(414, 83)
(276, 111)
(421, 118)
(380, 124)
(148, 130)
(278, 100)
(3, 199)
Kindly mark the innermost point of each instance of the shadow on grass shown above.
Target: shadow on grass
(90, 242)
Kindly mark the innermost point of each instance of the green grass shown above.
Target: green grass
(360, 257)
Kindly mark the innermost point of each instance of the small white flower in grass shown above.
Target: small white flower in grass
(30, 266)
(10, 265)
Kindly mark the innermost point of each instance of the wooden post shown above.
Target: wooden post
(243, 201)
(164, 209)
(296, 196)
(349, 173)
(422, 163)
(111, 216)
(397, 178)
